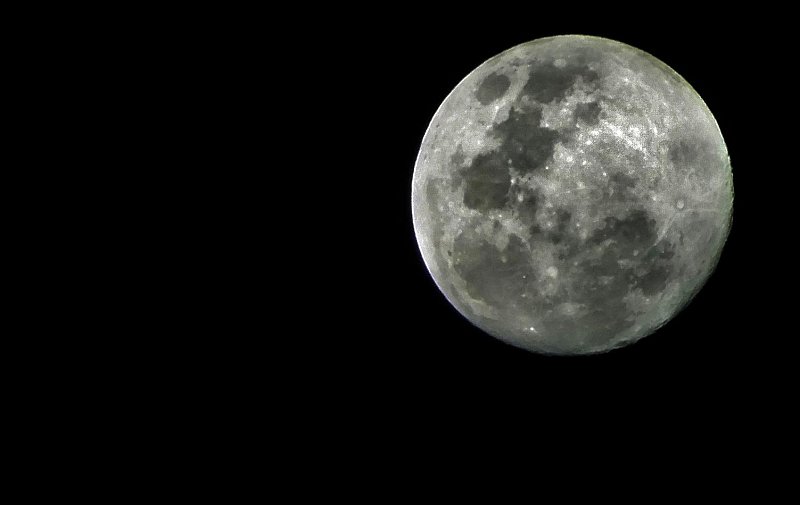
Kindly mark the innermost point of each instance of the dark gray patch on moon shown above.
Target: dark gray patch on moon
(689, 154)
(458, 158)
(572, 196)
(487, 181)
(526, 144)
(490, 274)
(526, 206)
(683, 153)
(558, 232)
(654, 280)
(633, 231)
(548, 82)
(589, 113)
(621, 188)
(492, 88)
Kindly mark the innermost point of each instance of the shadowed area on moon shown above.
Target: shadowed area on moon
(492, 88)
(548, 82)
(492, 275)
(586, 268)
(526, 145)
(498, 276)
(588, 112)
(486, 182)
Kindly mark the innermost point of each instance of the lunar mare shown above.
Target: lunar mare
(571, 195)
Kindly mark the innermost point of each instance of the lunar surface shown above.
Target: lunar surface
(571, 195)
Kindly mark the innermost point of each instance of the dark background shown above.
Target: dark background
(380, 364)
(406, 350)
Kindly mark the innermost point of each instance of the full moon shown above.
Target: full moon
(571, 195)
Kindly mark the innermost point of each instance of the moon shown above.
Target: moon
(571, 195)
